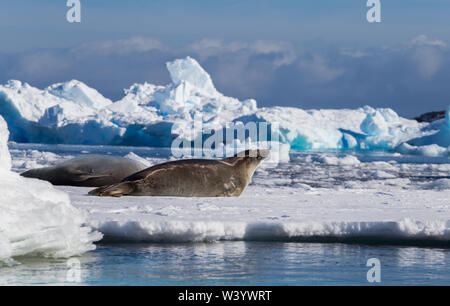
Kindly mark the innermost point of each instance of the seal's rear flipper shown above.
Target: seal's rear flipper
(30, 173)
(116, 190)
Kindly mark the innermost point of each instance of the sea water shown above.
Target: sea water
(236, 264)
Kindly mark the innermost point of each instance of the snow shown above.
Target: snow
(80, 93)
(429, 150)
(152, 115)
(347, 160)
(314, 196)
(374, 125)
(137, 158)
(441, 184)
(5, 158)
(277, 214)
(37, 219)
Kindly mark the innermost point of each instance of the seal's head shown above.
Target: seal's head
(258, 154)
(252, 158)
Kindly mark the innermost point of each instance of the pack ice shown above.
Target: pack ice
(35, 218)
(151, 115)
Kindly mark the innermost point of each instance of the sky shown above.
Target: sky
(307, 54)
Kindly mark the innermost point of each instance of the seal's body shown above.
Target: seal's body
(191, 178)
(87, 171)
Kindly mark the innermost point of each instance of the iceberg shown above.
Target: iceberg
(5, 157)
(440, 135)
(80, 93)
(37, 219)
(374, 124)
(189, 71)
(152, 115)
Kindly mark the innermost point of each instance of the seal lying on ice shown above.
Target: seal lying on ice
(191, 178)
(87, 171)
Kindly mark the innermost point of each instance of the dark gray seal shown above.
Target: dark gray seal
(191, 178)
(87, 171)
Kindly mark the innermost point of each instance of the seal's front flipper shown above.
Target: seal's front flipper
(116, 190)
(99, 190)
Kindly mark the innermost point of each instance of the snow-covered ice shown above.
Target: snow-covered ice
(5, 158)
(37, 219)
(272, 214)
(151, 115)
(441, 138)
(315, 196)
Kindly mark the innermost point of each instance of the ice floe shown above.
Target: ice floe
(37, 219)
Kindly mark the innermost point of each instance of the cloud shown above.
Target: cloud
(41, 64)
(282, 53)
(427, 55)
(285, 51)
(208, 47)
(354, 53)
(411, 77)
(423, 40)
(121, 46)
(318, 69)
(242, 68)
(428, 61)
